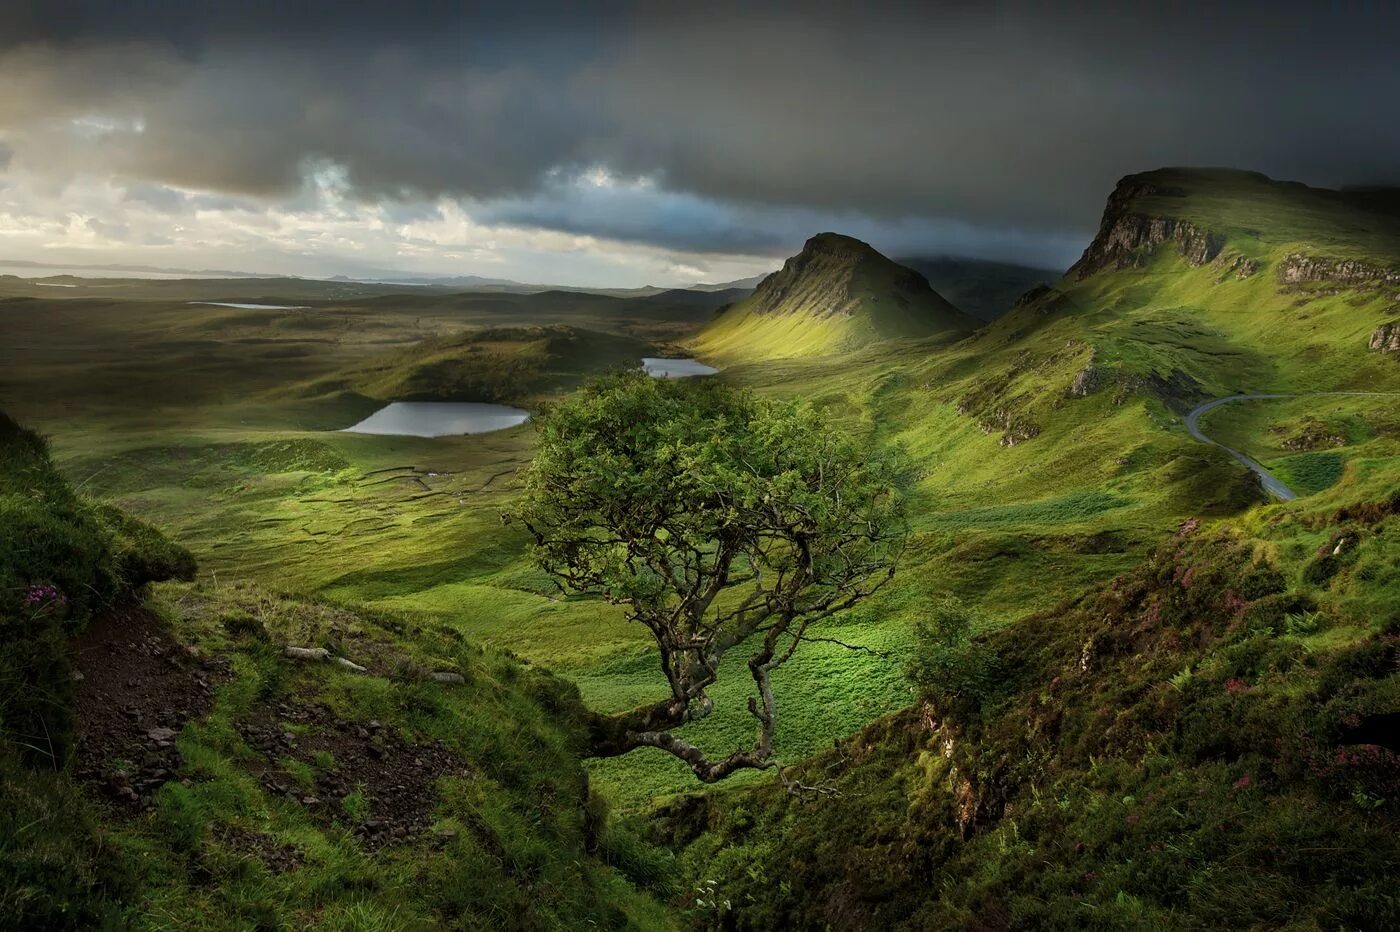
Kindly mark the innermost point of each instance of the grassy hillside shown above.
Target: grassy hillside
(837, 295)
(1184, 744)
(1207, 742)
(517, 364)
(165, 765)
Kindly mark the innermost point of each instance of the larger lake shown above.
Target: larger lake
(439, 419)
(661, 368)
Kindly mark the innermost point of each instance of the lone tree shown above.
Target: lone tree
(720, 521)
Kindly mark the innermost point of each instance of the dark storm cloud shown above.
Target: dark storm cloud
(1004, 120)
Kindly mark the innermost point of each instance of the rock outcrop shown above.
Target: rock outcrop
(1298, 268)
(1236, 265)
(1386, 339)
(1089, 380)
(1127, 237)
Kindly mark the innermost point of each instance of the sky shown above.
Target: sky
(622, 144)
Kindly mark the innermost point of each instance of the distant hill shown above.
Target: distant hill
(498, 364)
(739, 284)
(837, 294)
(982, 288)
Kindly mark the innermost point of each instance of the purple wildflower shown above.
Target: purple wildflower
(38, 596)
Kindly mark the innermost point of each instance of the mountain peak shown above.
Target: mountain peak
(836, 242)
(837, 294)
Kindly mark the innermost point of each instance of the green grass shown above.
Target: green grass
(1167, 752)
(513, 830)
(219, 425)
(838, 295)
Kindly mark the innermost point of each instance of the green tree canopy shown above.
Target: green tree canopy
(718, 520)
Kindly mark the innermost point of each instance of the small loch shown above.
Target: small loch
(659, 367)
(439, 419)
(253, 307)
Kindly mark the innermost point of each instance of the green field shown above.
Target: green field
(1051, 456)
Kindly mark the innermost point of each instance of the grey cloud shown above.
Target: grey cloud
(158, 197)
(7, 154)
(693, 223)
(998, 126)
(118, 232)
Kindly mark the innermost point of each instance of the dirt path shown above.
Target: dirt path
(1268, 480)
(137, 689)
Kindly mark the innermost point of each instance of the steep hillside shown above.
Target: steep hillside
(835, 296)
(1208, 742)
(167, 763)
(1199, 284)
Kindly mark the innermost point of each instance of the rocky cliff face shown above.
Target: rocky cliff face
(1386, 339)
(1126, 237)
(1298, 268)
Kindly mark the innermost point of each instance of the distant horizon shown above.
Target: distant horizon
(120, 270)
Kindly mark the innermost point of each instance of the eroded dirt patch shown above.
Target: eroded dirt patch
(137, 688)
(276, 857)
(379, 785)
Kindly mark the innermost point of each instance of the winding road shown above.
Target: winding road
(1268, 480)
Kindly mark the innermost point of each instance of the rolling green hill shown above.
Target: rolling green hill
(835, 296)
(517, 364)
(1199, 284)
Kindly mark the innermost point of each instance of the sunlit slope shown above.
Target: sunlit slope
(837, 295)
(1200, 283)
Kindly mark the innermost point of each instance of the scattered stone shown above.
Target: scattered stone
(118, 721)
(1088, 381)
(448, 676)
(277, 857)
(397, 781)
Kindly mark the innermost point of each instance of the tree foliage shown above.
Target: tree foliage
(718, 520)
(947, 666)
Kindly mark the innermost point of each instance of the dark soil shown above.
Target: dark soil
(396, 780)
(277, 857)
(137, 688)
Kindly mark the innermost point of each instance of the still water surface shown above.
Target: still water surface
(439, 419)
(661, 368)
